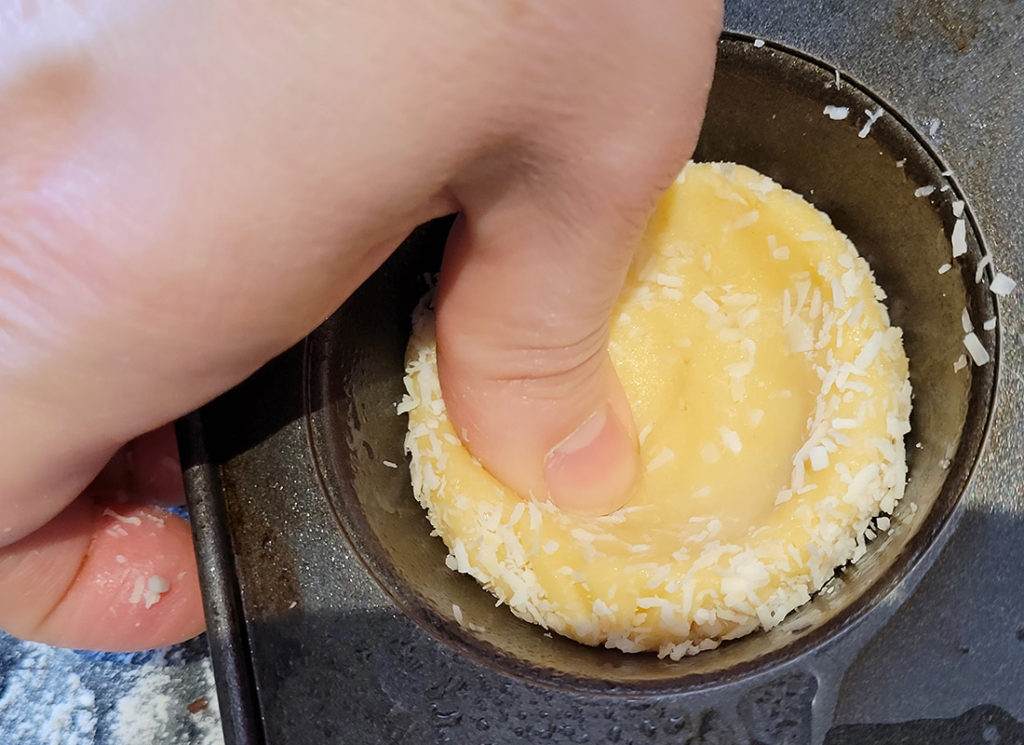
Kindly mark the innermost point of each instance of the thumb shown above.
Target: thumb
(522, 328)
(535, 263)
(527, 287)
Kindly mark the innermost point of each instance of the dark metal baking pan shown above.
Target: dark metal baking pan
(330, 607)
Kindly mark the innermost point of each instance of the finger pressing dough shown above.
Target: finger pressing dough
(771, 397)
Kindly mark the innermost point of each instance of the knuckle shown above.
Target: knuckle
(557, 355)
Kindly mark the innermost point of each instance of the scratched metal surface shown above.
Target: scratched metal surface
(956, 648)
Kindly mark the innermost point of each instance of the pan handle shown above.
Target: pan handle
(796, 704)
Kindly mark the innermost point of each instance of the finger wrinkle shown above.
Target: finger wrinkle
(75, 577)
(529, 365)
(37, 571)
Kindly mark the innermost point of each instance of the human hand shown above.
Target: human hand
(188, 188)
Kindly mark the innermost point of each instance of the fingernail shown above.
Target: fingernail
(593, 470)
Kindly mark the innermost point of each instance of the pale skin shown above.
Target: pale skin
(187, 188)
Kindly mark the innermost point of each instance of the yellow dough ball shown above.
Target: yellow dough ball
(771, 395)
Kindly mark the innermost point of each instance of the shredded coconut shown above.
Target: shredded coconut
(873, 116)
(837, 112)
(959, 238)
(664, 456)
(976, 349)
(1001, 284)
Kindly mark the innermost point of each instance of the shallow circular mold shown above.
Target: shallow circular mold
(766, 110)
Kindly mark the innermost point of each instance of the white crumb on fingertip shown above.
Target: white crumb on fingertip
(148, 590)
(137, 590)
(122, 518)
(156, 586)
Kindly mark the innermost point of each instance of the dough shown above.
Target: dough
(771, 396)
